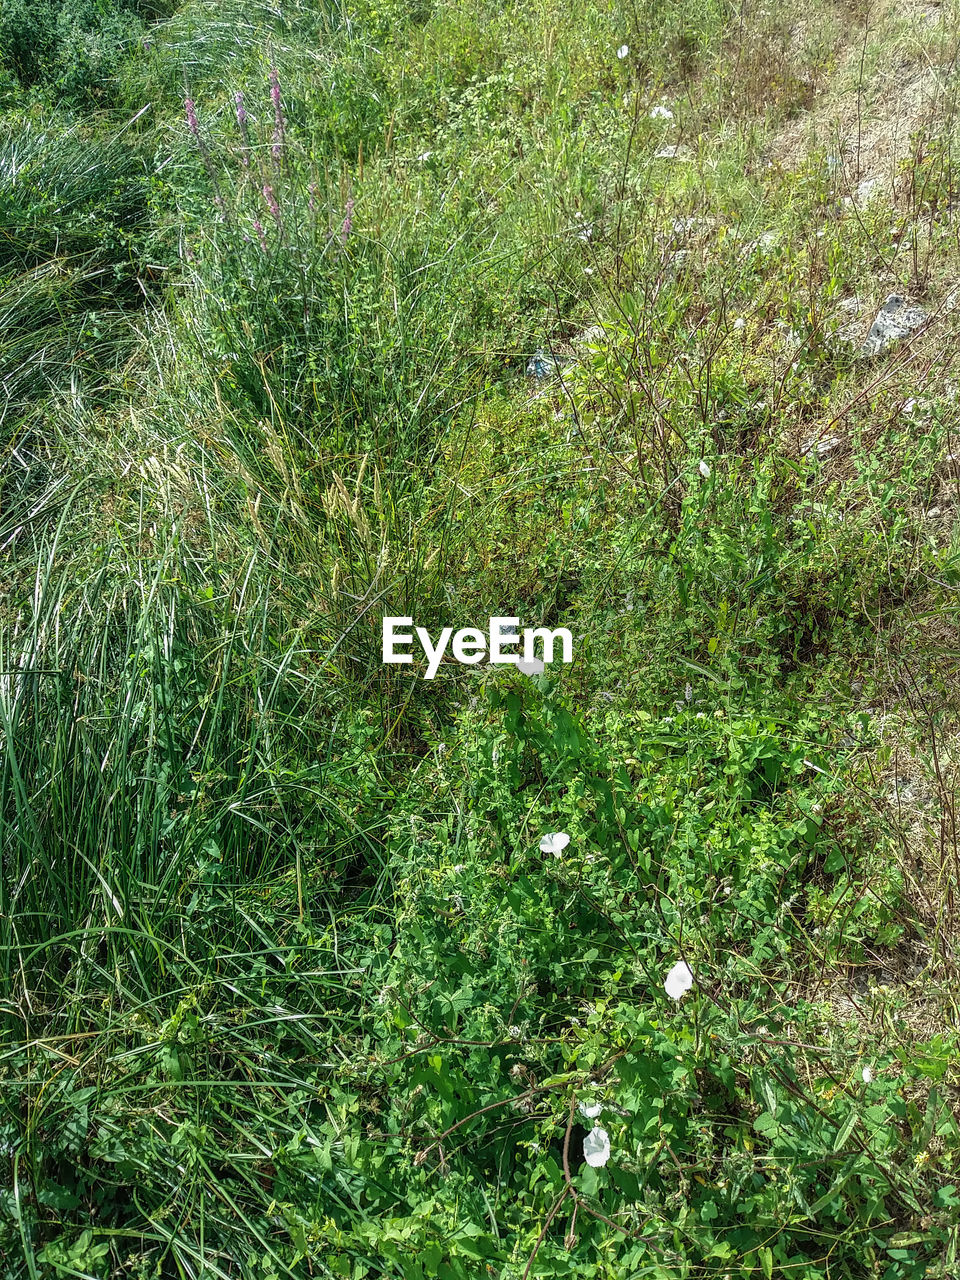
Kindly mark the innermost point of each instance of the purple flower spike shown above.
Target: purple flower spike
(191, 117)
(272, 205)
(347, 222)
(258, 228)
(279, 124)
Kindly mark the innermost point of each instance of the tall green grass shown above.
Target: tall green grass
(72, 216)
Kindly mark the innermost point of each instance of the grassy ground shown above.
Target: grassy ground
(288, 986)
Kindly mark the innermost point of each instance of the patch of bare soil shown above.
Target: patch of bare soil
(869, 131)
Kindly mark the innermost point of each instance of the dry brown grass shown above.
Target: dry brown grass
(892, 84)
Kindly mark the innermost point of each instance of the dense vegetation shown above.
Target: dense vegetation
(289, 986)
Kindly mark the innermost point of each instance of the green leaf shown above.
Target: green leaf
(766, 1124)
(848, 1127)
(769, 1097)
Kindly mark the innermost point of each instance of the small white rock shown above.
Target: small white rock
(896, 319)
(822, 448)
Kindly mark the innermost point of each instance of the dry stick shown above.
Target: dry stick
(622, 188)
(948, 812)
(546, 1227)
(491, 1106)
(569, 1190)
(913, 920)
(887, 373)
(578, 1200)
(597, 1074)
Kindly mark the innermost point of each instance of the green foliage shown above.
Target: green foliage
(70, 49)
(72, 221)
(288, 985)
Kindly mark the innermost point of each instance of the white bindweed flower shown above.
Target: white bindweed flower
(589, 1110)
(596, 1147)
(704, 469)
(678, 981)
(554, 842)
(867, 1075)
(661, 113)
(623, 51)
(534, 667)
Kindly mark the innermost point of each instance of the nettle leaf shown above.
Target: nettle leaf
(766, 1125)
(58, 1197)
